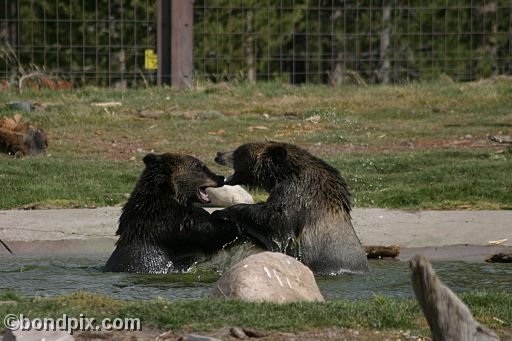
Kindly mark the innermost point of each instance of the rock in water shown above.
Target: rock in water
(448, 317)
(269, 277)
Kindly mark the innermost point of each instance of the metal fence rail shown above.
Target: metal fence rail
(102, 42)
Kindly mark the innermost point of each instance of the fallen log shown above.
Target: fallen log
(447, 316)
(378, 251)
(22, 138)
(500, 258)
(106, 104)
(501, 139)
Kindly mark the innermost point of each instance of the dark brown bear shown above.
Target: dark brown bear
(160, 229)
(307, 214)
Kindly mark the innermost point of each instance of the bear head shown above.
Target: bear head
(262, 164)
(181, 176)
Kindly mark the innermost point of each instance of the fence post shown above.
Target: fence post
(163, 42)
(182, 24)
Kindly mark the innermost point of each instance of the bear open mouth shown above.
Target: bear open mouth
(203, 196)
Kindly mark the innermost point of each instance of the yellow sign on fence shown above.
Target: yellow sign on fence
(150, 60)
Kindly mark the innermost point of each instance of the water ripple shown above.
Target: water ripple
(55, 275)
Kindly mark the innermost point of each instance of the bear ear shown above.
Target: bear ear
(150, 159)
(278, 153)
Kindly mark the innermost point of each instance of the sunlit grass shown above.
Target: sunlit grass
(495, 308)
(418, 146)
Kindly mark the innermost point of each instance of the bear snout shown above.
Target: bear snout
(225, 159)
(219, 159)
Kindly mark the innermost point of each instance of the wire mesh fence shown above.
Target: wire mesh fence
(83, 41)
(329, 41)
(103, 42)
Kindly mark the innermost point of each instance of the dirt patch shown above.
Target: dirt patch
(240, 333)
(127, 148)
(232, 333)
(118, 148)
(406, 145)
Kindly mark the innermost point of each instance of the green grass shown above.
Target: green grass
(209, 314)
(440, 179)
(64, 182)
(413, 146)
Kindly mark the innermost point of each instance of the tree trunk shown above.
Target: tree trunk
(384, 42)
(338, 68)
(491, 43)
(122, 83)
(249, 48)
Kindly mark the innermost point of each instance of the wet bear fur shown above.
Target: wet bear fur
(160, 228)
(307, 214)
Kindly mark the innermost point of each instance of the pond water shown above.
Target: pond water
(54, 275)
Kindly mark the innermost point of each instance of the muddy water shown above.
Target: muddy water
(54, 275)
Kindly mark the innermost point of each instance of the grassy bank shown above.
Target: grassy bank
(412, 146)
(492, 308)
(438, 179)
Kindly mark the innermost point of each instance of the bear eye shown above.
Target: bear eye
(199, 167)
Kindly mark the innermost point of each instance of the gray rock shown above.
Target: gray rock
(269, 277)
(237, 332)
(35, 335)
(226, 196)
(151, 113)
(22, 106)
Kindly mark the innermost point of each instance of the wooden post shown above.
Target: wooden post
(182, 23)
(163, 44)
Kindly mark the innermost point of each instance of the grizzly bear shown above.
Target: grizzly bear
(160, 228)
(307, 214)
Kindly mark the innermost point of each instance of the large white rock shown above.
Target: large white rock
(269, 277)
(226, 196)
